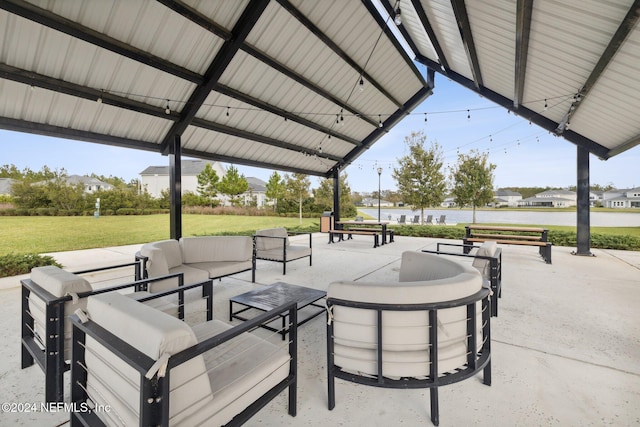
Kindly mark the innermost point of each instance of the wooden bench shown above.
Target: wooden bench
(524, 236)
(366, 232)
(379, 230)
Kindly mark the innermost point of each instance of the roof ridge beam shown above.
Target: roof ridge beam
(524, 11)
(252, 12)
(464, 27)
(628, 23)
(73, 29)
(336, 49)
(228, 130)
(248, 99)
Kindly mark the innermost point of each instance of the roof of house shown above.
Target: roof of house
(506, 193)
(556, 193)
(256, 184)
(189, 168)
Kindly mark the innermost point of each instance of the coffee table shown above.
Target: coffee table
(269, 297)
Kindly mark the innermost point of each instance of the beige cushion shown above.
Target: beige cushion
(163, 255)
(267, 244)
(483, 265)
(293, 252)
(216, 248)
(405, 334)
(216, 269)
(59, 283)
(153, 333)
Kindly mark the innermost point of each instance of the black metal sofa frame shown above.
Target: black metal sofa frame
(495, 268)
(51, 358)
(477, 358)
(154, 399)
(284, 259)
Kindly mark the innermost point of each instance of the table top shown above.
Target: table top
(272, 296)
(366, 222)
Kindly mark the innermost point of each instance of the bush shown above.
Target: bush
(16, 264)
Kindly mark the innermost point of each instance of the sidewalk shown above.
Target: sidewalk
(565, 347)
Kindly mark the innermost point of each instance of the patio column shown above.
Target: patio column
(583, 220)
(336, 194)
(175, 188)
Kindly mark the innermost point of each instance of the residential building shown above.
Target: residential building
(551, 198)
(449, 202)
(506, 198)
(91, 185)
(5, 186)
(373, 202)
(596, 198)
(155, 180)
(624, 199)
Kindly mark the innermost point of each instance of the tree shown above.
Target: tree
(419, 176)
(233, 184)
(297, 189)
(208, 182)
(473, 180)
(275, 189)
(323, 196)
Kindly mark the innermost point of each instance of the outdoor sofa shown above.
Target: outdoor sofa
(429, 329)
(50, 295)
(197, 258)
(133, 365)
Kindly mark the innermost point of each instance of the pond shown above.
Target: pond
(458, 216)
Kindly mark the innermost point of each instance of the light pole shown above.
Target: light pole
(379, 174)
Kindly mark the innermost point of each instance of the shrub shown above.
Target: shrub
(16, 264)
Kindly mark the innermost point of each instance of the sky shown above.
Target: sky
(525, 155)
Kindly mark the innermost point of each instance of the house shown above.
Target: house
(551, 198)
(449, 202)
(5, 186)
(623, 198)
(155, 180)
(91, 185)
(506, 198)
(596, 198)
(373, 202)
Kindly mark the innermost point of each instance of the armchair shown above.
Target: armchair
(430, 329)
(272, 244)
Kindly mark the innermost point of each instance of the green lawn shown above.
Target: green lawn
(56, 234)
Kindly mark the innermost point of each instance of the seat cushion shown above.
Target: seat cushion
(267, 244)
(422, 266)
(293, 252)
(217, 269)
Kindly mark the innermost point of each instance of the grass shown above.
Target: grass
(22, 235)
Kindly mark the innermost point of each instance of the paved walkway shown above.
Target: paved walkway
(565, 347)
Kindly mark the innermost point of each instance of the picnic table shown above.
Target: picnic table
(367, 228)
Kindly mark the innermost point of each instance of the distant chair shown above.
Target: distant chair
(416, 219)
(429, 220)
(359, 218)
(402, 219)
(441, 221)
(389, 217)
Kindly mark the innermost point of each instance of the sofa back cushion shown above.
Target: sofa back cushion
(153, 333)
(267, 244)
(417, 266)
(216, 248)
(163, 253)
(483, 265)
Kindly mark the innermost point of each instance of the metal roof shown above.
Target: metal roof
(570, 66)
(256, 82)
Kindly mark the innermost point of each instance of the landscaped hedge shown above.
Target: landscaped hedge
(16, 264)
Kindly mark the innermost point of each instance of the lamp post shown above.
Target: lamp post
(379, 174)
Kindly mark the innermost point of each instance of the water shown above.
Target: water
(598, 219)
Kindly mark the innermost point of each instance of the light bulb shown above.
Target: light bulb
(398, 18)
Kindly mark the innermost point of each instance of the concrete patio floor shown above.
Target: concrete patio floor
(565, 347)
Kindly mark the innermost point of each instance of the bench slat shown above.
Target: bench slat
(499, 228)
(509, 242)
(506, 236)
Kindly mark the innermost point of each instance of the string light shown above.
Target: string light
(361, 83)
(379, 121)
(468, 116)
(227, 111)
(545, 105)
(167, 110)
(398, 18)
(99, 100)
(425, 117)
